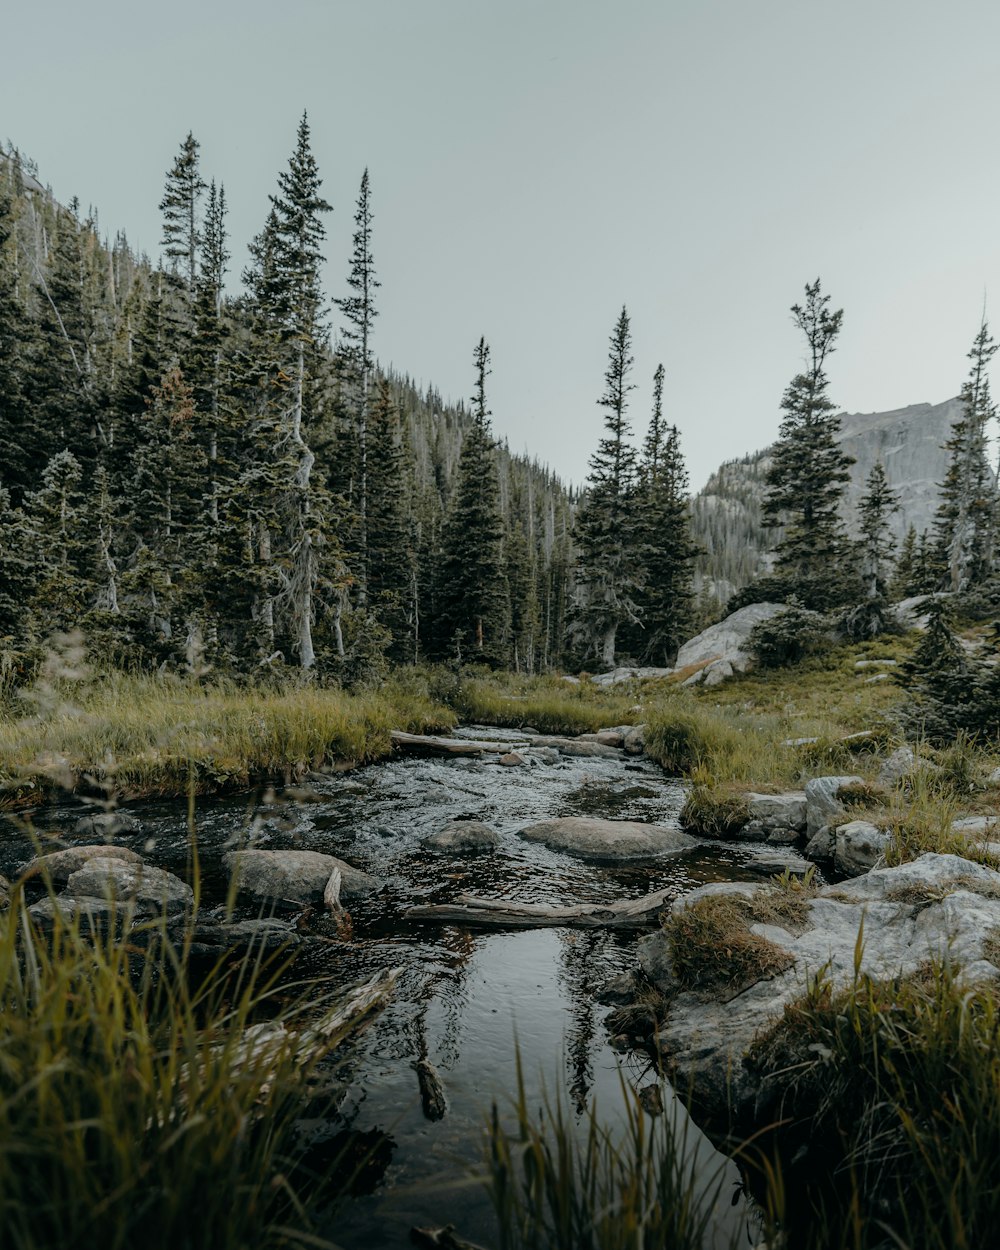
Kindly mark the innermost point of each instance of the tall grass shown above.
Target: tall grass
(556, 1185)
(548, 704)
(135, 1108)
(158, 735)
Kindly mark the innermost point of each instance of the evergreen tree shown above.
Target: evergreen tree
(360, 313)
(665, 544)
(965, 524)
(57, 534)
(18, 445)
(181, 227)
(472, 596)
(808, 473)
(867, 618)
(607, 573)
(905, 570)
(19, 574)
(390, 538)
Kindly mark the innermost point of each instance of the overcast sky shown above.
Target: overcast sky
(535, 164)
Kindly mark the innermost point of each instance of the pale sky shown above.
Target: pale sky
(535, 164)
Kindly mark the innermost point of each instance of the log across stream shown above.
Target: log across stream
(480, 961)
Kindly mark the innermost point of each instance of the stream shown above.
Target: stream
(467, 999)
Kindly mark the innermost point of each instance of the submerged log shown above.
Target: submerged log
(470, 909)
(432, 1096)
(331, 893)
(446, 746)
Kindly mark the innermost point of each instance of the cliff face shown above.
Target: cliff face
(726, 513)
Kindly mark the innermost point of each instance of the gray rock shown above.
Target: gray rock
(912, 613)
(656, 962)
(607, 839)
(778, 813)
(875, 663)
(898, 765)
(618, 992)
(589, 750)
(89, 913)
(548, 755)
(976, 829)
(822, 803)
(870, 681)
(717, 672)
(462, 836)
(512, 760)
(994, 777)
(4, 892)
(107, 824)
(635, 740)
(619, 675)
(859, 846)
(573, 681)
(149, 889)
(261, 934)
(610, 738)
(293, 875)
(728, 639)
(937, 906)
(773, 861)
(60, 865)
(821, 845)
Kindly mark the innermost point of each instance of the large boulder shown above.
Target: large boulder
(635, 740)
(727, 642)
(823, 806)
(116, 881)
(901, 763)
(939, 906)
(619, 675)
(294, 875)
(461, 836)
(59, 866)
(607, 839)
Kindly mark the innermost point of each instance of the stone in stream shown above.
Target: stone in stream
(859, 846)
(59, 866)
(607, 839)
(150, 890)
(513, 760)
(295, 875)
(87, 913)
(108, 824)
(635, 740)
(462, 836)
(266, 934)
(936, 907)
(590, 750)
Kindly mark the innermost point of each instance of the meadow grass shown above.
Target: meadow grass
(134, 1109)
(162, 735)
(548, 704)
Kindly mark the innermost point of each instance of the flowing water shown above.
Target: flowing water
(467, 999)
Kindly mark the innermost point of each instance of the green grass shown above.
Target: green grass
(547, 704)
(134, 1111)
(160, 735)
(559, 1185)
(712, 948)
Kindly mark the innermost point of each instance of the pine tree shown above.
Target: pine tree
(56, 523)
(18, 443)
(472, 594)
(879, 503)
(904, 572)
(390, 538)
(667, 550)
(181, 226)
(607, 573)
(19, 573)
(360, 313)
(806, 480)
(965, 525)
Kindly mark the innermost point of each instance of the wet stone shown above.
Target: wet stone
(463, 836)
(108, 824)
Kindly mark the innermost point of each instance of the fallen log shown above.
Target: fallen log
(470, 909)
(440, 1239)
(446, 746)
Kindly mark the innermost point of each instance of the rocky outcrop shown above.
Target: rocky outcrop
(293, 875)
(619, 675)
(723, 648)
(824, 811)
(936, 906)
(775, 817)
(462, 836)
(607, 839)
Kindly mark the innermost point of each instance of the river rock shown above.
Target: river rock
(295, 875)
(823, 806)
(607, 839)
(936, 906)
(462, 836)
(619, 675)
(512, 760)
(859, 846)
(547, 755)
(898, 765)
(589, 750)
(265, 933)
(149, 889)
(107, 824)
(776, 817)
(87, 913)
(728, 640)
(635, 740)
(60, 865)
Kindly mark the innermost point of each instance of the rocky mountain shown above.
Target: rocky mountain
(727, 511)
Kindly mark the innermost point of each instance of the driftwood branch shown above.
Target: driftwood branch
(470, 909)
(432, 1097)
(427, 743)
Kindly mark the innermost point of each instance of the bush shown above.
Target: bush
(789, 637)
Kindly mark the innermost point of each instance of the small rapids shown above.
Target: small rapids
(467, 999)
